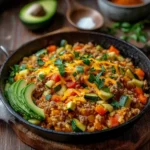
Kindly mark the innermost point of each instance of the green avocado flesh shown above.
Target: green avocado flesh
(20, 98)
(36, 22)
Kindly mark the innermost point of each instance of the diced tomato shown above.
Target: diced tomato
(56, 98)
(79, 47)
(142, 99)
(73, 93)
(100, 110)
(70, 84)
(55, 77)
(113, 49)
(140, 73)
(139, 91)
(114, 121)
(51, 48)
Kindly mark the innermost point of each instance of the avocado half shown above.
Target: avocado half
(36, 22)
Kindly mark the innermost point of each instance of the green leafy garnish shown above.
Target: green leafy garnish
(62, 52)
(80, 69)
(91, 78)
(76, 54)
(106, 89)
(60, 66)
(22, 67)
(74, 74)
(40, 62)
(61, 69)
(113, 70)
(99, 82)
(58, 62)
(11, 80)
(41, 52)
(86, 61)
(104, 57)
(92, 69)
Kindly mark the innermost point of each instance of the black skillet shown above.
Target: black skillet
(127, 50)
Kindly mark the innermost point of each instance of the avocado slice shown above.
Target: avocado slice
(34, 20)
(27, 92)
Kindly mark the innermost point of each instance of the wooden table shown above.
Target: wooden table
(12, 35)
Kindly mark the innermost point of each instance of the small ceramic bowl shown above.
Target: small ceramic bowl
(124, 13)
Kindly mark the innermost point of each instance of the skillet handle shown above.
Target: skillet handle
(4, 114)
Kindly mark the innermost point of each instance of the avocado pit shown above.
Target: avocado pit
(36, 10)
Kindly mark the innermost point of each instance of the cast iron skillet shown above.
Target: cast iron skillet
(29, 48)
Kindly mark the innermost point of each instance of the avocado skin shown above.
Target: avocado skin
(33, 25)
(37, 26)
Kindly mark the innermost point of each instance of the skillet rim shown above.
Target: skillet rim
(20, 118)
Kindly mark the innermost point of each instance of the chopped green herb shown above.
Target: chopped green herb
(91, 78)
(103, 69)
(48, 97)
(92, 69)
(74, 74)
(41, 52)
(104, 57)
(41, 76)
(113, 70)
(86, 61)
(61, 69)
(106, 89)
(99, 82)
(40, 62)
(80, 69)
(10, 80)
(58, 62)
(62, 52)
(22, 67)
(76, 54)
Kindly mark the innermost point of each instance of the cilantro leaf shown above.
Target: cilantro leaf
(22, 67)
(61, 69)
(113, 70)
(91, 78)
(86, 61)
(40, 62)
(76, 54)
(92, 69)
(80, 69)
(104, 57)
(99, 82)
(58, 62)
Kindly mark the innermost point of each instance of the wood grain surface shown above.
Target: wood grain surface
(13, 34)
